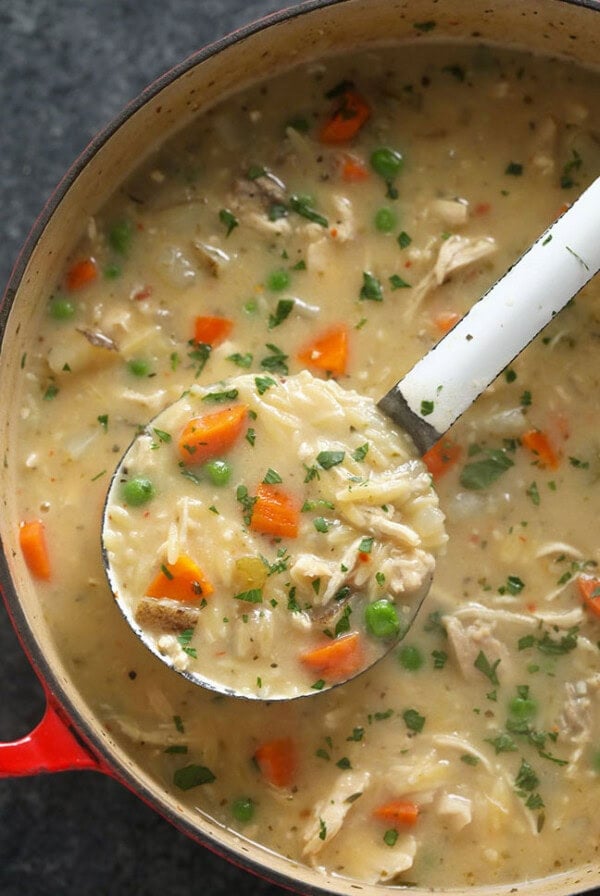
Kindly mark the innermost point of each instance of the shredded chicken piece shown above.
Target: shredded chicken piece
(575, 721)
(457, 808)
(453, 212)
(329, 814)
(98, 339)
(213, 259)
(455, 253)
(467, 642)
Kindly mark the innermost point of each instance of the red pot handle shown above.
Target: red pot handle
(52, 746)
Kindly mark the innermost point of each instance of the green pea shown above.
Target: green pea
(387, 162)
(381, 619)
(219, 472)
(522, 709)
(61, 308)
(112, 271)
(411, 658)
(385, 220)
(139, 366)
(243, 809)
(137, 491)
(278, 280)
(119, 236)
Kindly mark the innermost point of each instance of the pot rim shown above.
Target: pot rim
(105, 759)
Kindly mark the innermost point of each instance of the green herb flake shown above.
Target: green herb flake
(486, 668)
(366, 545)
(357, 735)
(371, 289)
(244, 361)
(253, 596)
(533, 493)
(302, 205)
(526, 779)
(322, 829)
(424, 26)
(427, 408)
(263, 383)
(328, 459)
(162, 436)
(404, 239)
(176, 748)
(284, 307)
(440, 658)
(361, 452)
(221, 397)
(514, 585)
(413, 720)
(469, 759)
(275, 362)
(193, 776)
(344, 763)
(502, 743)
(272, 477)
(229, 220)
(396, 282)
(482, 473)
(515, 169)
(318, 685)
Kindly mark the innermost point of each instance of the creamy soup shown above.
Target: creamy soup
(339, 220)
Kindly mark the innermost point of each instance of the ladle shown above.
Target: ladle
(426, 402)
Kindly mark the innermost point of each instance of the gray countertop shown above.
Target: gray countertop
(66, 68)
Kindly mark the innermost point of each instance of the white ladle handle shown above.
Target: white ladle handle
(448, 379)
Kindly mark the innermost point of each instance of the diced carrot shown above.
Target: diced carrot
(397, 813)
(81, 274)
(208, 436)
(589, 589)
(353, 169)
(212, 330)
(539, 444)
(442, 457)
(327, 351)
(278, 762)
(182, 580)
(351, 113)
(445, 320)
(32, 540)
(482, 208)
(338, 659)
(275, 512)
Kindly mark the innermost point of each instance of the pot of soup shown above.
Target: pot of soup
(329, 191)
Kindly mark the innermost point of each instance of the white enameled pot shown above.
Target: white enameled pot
(70, 736)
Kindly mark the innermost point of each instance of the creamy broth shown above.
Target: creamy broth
(469, 755)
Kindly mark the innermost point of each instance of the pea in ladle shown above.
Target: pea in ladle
(425, 404)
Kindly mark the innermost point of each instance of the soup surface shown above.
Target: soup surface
(340, 219)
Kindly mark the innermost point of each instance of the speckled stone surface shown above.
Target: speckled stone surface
(66, 68)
